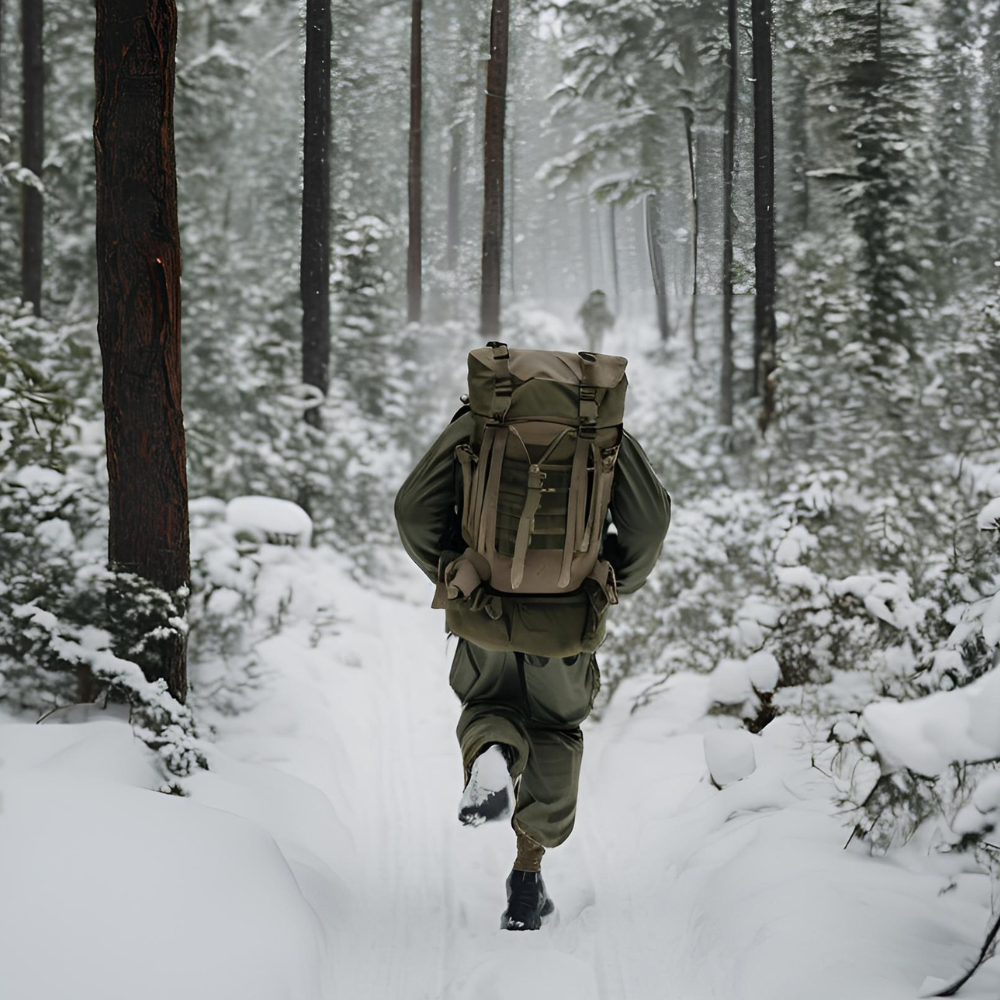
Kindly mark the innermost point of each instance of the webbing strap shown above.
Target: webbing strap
(465, 459)
(590, 491)
(532, 501)
(536, 480)
(603, 477)
(503, 384)
(577, 485)
(491, 496)
(479, 486)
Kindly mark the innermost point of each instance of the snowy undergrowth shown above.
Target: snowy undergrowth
(319, 854)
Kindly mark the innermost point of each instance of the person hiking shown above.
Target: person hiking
(596, 318)
(531, 513)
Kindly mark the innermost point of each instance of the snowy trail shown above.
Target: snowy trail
(320, 857)
(667, 889)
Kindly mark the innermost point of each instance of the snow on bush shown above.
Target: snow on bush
(270, 519)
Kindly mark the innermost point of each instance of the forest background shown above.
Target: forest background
(836, 514)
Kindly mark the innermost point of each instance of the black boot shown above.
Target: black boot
(527, 902)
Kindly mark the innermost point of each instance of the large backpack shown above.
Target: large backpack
(536, 481)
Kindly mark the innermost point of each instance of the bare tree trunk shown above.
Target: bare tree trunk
(765, 329)
(510, 220)
(139, 293)
(32, 151)
(654, 245)
(1, 57)
(728, 162)
(688, 114)
(454, 198)
(414, 256)
(613, 250)
(314, 276)
(493, 169)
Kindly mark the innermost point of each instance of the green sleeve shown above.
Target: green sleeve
(425, 504)
(640, 510)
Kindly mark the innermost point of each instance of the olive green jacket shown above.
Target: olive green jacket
(640, 509)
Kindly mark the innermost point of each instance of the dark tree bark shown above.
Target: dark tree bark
(314, 276)
(32, 151)
(654, 245)
(493, 169)
(513, 204)
(728, 161)
(688, 114)
(765, 329)
(414, 256)
(454, 198)
(139, 294)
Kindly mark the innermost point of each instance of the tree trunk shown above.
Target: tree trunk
(510, 220)
(414, 257)
(314, 275)
(32, 151)
(613, 251)
(654, 245)
(493, 172)
(688, 114)
(454, 198)
(765, 329)
(139, 297)
(728, 161)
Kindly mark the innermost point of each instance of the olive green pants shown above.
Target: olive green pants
(534, 705)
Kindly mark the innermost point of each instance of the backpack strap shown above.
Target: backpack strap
(491, 494)
(525, 526)
(503, 383)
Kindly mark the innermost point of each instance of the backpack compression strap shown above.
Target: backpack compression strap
(503, 383)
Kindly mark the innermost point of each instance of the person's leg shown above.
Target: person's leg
(488, 684)
(560, 695)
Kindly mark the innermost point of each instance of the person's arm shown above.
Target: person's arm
(425, 504)
(640, 511)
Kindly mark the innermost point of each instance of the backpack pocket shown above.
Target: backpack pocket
(550, 625)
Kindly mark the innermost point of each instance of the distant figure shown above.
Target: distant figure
(597, 319)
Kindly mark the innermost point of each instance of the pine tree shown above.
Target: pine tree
(728, 163)
(32, 151)
(139, 268)
(765, 329)
(414, 260)
(877, 86)
(493, 169)
(315, 258)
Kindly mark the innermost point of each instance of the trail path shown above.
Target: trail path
(668, 888)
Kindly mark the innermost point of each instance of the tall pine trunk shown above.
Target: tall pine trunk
(454, 198)
(139, 297)
(493, 169)
(728, 162)
(765, 329)
(688, 114)
(414, 256)
(654, 245)
(32, 151)
(314, 275)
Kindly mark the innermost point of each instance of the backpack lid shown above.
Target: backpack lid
(604, 371)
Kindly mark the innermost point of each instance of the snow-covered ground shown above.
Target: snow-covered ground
(320, 856)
